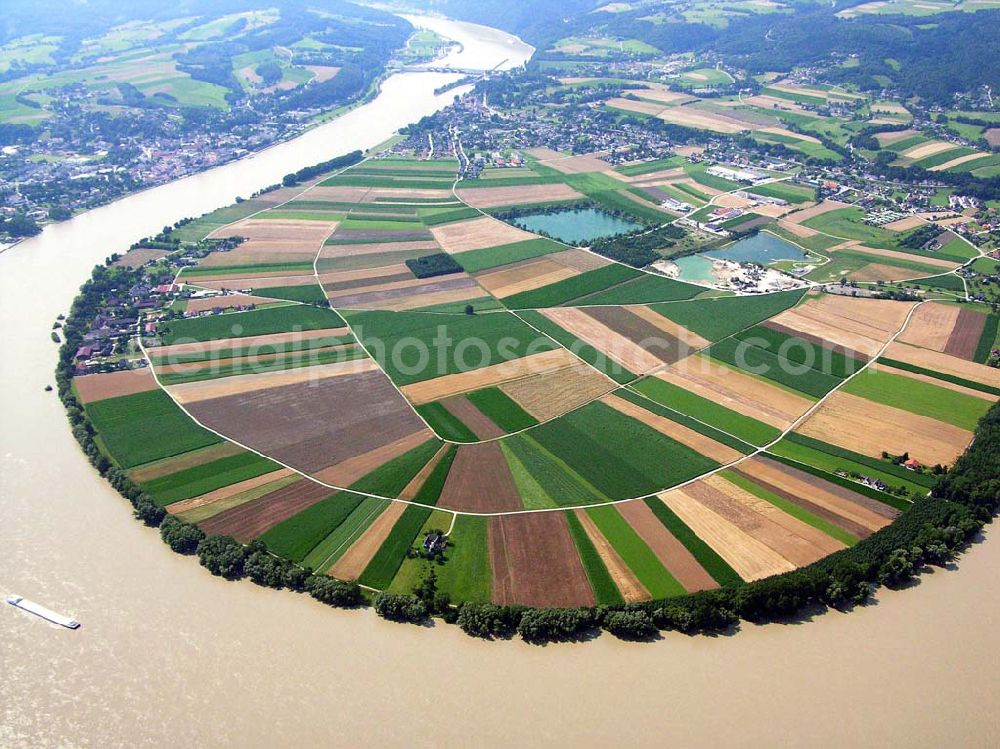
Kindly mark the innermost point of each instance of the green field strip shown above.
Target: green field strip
(770, 367)
(447, 425)
(719, 317)
(255, 350)
(644, 290)
(297, 360)
(555, 481)
(790, 508)
(925, 270)
(647, 167)
(943, 376)
(386, 562)
(295, 537)
(300, 216)
(801, 351)
(447, 216)
(308, 293)
(326, 553)
(569, 289)
(785, 191)
(691, 423)
(888, 499)
(501, 409)
(711, 562)
(243, 324)
(917, 480)
(362, 180)
(606, 593)
(645, 565)
(500, 337)
(580, 348)
(492, 257)
(744, 428)
(618, 455)
(465, 574)
(918, 397)
(533, 495)
(987, 341)
(555, 179)
(947, 281)
(207, 477)
(479, 304)
(144, 427)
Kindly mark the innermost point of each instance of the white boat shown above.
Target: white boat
(39, 610)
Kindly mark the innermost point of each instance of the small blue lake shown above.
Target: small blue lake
(762, 248)
(576, 226)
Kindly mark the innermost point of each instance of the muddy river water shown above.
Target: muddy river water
(169, 655)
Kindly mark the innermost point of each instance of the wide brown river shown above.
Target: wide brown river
(170, 656)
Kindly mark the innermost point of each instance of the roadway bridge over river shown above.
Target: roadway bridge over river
(444, 69)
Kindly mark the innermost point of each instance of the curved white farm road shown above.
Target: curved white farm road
(169, 655)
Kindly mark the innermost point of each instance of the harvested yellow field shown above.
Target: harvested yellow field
(477, 234)
(738, 391)
(258, 282)
(956, 162)
(701, 120)
(927, 149)
(531, 274)
(931, 326)
(868, 427)
(615, 346)
(493, 197)
(417, 300)
(198, 347)
(642, 107)
(552, 394)
(880, 272)
(664, 95)
(904, 224)
(463, 382)
(774, 102)
(229, 491)
(345, 473)
(863, 325)
(751, 559)
(698, 442)
(578, 259)
(945, 363)
(226, 301)
(277, 233)
(582, 164)
(789, 134)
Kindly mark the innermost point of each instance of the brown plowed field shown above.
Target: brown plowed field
(184, 461)
(249, 520)
(247, 255)
(96, 387)
(205, 511)
(640, 331)
(460, 293)
(815, 339)
(964, 338)
(698, 442)
(257, 282)
(388, 294)
(341, 194)
(867, 427)
(463, 382)
(333, 252)
(477, 234)
(944, 363)
(737, 391)
(548, 395)
(931, 326)
(625, 580)
(751, 559)
(523, 276)
(480, 481)
(672, 553)
(887, 139)
(360, 553)
(277, 234)
(615, 346)
(493, 197)
(315, 424)
(362, 276)
(481, 425)
(193, 392)
(535, 562)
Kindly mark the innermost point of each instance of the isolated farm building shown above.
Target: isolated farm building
(913, 464)
(435, 542)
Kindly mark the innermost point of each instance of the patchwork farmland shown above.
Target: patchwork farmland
(376, 379)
